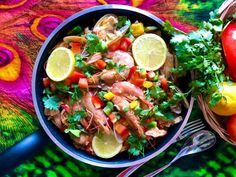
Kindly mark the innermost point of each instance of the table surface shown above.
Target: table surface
(24, 25)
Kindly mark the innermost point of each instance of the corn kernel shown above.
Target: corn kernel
(134, 104)
(109, 96)
(147, 84)
(138, 29)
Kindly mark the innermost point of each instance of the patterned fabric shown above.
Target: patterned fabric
(24, 25)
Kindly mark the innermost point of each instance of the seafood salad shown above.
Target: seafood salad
(110, 87)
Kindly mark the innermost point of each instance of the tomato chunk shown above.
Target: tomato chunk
(100, 64)
(83, 83)
(97, 102)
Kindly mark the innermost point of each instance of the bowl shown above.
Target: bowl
(85, 18)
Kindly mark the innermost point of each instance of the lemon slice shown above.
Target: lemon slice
(60, 64)
(149, 51)
(106, 146)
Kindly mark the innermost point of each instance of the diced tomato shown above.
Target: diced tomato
(150, 75)
(75, 47)
(112, 117)
(137, 81)
(125, 44)
(114, 46)
(83, 83)
(46, 82)
(100, 64)
(66, 107)
(164, 84)
(131, 72)
(127, 40)
(74, 78)
(97, 102)
(122, 130)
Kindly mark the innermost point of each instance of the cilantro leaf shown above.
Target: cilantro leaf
(77, 93)
(137, 145)
(77, 116)
(62, 87)
(94, 44)
(123, 21)
(51, 102)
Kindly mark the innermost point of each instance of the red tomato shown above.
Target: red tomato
(74, 78)
(97, 102)
(164, 84)
(131, 72)
(112, 117)
(100, 64)
(229, 46)
(114, 46)
(231, 127)
(137, 81)
(125, 44)
(122, 130)
(46, 82)
(83, 83)
(75, 47)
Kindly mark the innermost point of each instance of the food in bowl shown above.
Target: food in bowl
(110, 87)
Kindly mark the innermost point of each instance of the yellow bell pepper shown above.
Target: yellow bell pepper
(227, 105)
(134, 104)
(138, 29)
(109, 96)
(147, 84)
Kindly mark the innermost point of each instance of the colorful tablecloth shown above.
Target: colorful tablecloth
(24, 25)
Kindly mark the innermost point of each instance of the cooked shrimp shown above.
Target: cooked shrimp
(156, 132)
(98, 116)
(123, 58)
(132, 120)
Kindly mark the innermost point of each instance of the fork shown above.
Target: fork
(189, 129)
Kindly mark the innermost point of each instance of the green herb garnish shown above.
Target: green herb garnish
(51, 102)
(136, 145)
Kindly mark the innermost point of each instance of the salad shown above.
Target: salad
(110, 87)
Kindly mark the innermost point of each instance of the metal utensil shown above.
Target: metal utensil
(189, 129)
(198, 142)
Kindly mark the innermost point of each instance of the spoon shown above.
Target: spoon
(198, 142)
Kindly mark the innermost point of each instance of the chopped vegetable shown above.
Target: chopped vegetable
(122, 130)
(100, 64)
(108, 108)
(109, 96)
(152, 124)
(83, 83)
(112, 117)
(132, 71)
(75, 47)
(97, 102)
(134, 104)
(151, 75)
(138, 29)
(114, 46)
(74, 78)
(147, 84)
(125, 44)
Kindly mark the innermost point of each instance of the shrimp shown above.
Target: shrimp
(131, 119)
(155, 132)
(97, 115)
(130, 91)
(112, 76)
(123, 58)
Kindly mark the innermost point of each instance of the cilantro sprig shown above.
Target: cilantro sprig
(51, 102)
(200, 51)
(137, 145)
(94, 44)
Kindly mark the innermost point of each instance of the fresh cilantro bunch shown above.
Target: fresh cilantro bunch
(201, 52)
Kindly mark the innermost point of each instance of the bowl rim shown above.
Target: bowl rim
(36, 106)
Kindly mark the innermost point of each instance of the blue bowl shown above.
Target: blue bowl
(87, 18)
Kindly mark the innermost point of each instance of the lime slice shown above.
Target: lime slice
(60, 64)
(105, 145)
(149, 51)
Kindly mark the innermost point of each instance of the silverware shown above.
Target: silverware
(190, 128)
(198, 142)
